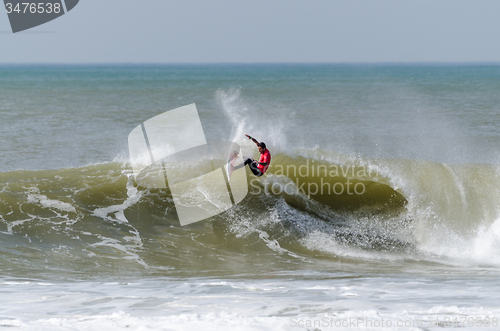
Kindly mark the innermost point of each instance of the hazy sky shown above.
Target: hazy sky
(166, 31)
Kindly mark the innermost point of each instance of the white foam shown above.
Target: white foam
(123, 321)
(36, 198)
(133, 196)
(480, 248)
(245, 304)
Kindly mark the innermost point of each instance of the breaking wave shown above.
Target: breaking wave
(311, 204)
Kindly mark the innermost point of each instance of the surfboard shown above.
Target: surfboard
(233, 158)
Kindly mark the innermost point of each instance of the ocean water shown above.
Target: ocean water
(380, 209)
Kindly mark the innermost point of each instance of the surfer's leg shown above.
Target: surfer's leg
(253, 167)
(239, 166)
(257, 172)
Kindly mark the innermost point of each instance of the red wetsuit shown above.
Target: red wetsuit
(264, 158)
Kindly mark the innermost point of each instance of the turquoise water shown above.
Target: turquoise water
(83, 246)
(444, 113)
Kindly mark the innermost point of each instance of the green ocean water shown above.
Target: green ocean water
(86, 246)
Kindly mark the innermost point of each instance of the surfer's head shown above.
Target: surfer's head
(262, 147)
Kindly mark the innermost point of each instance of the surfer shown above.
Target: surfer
(260, 167)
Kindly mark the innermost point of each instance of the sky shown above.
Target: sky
(257, 31)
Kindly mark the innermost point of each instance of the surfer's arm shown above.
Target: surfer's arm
(253, 139)
(266, 163)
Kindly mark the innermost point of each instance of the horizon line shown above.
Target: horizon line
(257, 63)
